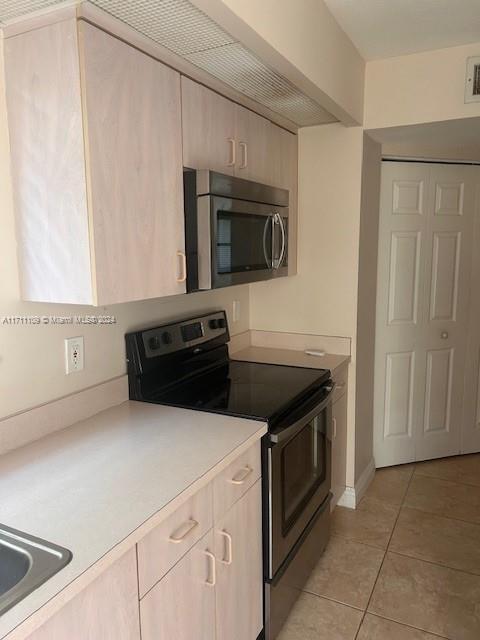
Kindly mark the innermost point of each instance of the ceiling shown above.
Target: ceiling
(386, 28)
(450, 139)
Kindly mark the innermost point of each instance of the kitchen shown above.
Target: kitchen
(205, 267)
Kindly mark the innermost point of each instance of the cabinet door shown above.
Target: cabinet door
(339, 448)
(283, 152)
(238, 548)
(253, 160)
(182, 605)
(107, 609)
(132, 112)
(208, 122)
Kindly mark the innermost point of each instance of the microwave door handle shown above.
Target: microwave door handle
(288, 432)
(284, 240)
(267, 222)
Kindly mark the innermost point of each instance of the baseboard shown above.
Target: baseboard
(352, 495)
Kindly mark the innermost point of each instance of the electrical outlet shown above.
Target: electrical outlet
(74, 354)
(236, 310)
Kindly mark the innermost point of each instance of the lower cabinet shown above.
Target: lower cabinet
(182, 605)
(239, 588)
(339, 447)
(215, 590)
(106, 610)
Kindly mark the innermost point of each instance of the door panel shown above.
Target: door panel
(238, 547)
(438, 390)
(253, 159)
(404, 274)
(398, 394)
(426, 217)
(132, 113)
(444, 288)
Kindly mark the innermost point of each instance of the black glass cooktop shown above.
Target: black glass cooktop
(245, 389)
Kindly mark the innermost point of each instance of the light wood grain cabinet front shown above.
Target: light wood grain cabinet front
(239, 589)
(167, 543)
(182, 605)
(95, 132)
(339, 443)
(106, 610)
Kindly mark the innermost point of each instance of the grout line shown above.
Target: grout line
(324, 597)
(355, 541)
(463, 484)
(432, 562)
(409, 626)
(384, 556)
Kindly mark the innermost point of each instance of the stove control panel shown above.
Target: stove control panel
(187, 333)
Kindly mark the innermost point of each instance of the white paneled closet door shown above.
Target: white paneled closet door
(424, 270)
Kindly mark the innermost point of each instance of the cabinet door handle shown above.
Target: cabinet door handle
(231, 141)
(241, 476)
(183, 258)
(228, 538)
(340, 386)
(210, 582)
(244, 148)
(183, 531)
(334, 422)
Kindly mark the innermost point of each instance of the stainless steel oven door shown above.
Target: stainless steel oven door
(298, 460)
(239, 241)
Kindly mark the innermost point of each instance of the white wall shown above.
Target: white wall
(305, 33)
(421, 87)
(32, 357)
(322, 299)
(367, 294)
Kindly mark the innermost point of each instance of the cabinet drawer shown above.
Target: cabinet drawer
(182, 605)
(166, 544)
(340, 377)
(235, 480)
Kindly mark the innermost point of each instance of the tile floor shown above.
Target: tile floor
(405, 565)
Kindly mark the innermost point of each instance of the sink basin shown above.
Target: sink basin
(26, 562)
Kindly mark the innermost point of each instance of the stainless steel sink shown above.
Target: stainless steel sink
(26, 562)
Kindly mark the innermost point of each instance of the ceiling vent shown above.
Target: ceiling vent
(472, 82)
(188, 32)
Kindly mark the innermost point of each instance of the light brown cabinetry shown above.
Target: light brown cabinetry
(252, 134)
(339, 443)
(105, 610)
(238, 549)
(182, 605)
(95, 132)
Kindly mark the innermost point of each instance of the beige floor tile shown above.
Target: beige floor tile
(371, 522)
(448, 542)
(429, 597)
(314, 618)
(390, 484)
(462, 469)
(346, 572)
(375, 628)
(444, 498)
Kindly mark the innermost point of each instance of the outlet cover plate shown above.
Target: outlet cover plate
(74, 354)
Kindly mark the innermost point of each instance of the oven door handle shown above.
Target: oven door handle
(288, 432)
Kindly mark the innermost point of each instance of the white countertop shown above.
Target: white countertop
(291, 357)
(90, 486)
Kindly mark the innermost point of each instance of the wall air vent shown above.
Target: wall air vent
(472, 82)
(188, 32)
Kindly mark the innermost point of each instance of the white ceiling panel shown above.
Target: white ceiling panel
(386, 28)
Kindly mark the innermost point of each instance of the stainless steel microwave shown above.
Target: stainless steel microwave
(236, 231)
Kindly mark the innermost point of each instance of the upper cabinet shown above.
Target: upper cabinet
(96, 143)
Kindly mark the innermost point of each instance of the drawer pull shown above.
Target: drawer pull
(183, 531)
(213, 569)
(228, 538)
(340, 386)
(242, 475)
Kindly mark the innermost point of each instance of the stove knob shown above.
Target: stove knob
(167, 337)
(213, 323)
(221, 323)
(154, 343)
